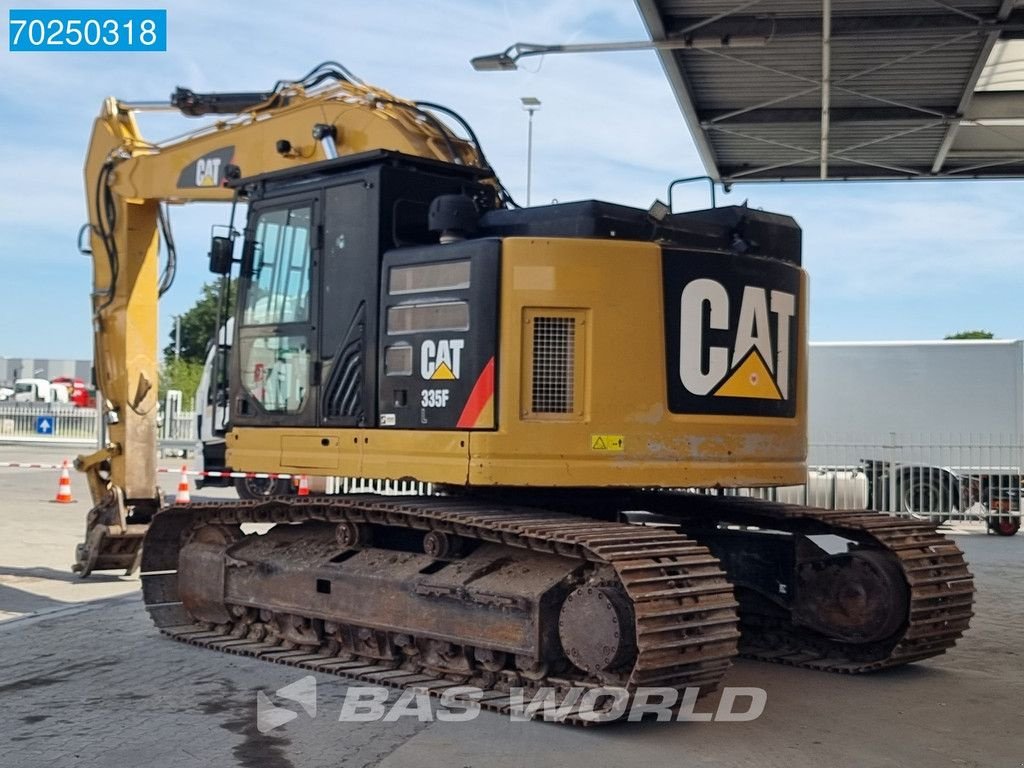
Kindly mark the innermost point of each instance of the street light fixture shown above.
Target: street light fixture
(531, 104)
(508, 59)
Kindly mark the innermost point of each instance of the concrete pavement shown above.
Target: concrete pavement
(38, 536)
(93, 684)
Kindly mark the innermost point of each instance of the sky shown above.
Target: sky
(887, 261)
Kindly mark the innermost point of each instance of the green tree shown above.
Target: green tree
(197, 324)
(197, 330)
(182, 375)
(972, 335)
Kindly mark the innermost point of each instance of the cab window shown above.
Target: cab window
(279, 291)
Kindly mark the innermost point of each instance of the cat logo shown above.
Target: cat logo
(754, 368)
(441, 360)
(208, 170)
(731, 329)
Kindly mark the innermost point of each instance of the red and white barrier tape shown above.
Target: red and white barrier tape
(30, 466)
(250, 475)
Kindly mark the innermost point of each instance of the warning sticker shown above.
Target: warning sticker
(607, 442)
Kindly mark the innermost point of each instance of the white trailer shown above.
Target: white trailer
(922, 427)
(869, 391)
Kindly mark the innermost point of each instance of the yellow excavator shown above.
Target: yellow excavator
(583, 384)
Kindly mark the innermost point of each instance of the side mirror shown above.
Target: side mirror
(222, 250)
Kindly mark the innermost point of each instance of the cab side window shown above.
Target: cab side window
(279, 292)
(274, 352)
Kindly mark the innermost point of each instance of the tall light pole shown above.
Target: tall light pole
(531, 105)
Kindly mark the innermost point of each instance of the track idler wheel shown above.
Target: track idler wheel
(596, 627)
(856, 597)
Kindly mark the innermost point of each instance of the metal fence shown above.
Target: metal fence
(57, 422)
(933, 476)
(65, 423)
(180, 426)
(346, 485)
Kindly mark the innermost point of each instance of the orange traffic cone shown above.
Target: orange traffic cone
(183, 497)
(303, 485)
(64, 486)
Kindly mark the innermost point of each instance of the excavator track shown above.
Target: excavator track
(679, 629)
(682, 611)
(940, 588)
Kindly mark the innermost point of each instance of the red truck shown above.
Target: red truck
(79, 393)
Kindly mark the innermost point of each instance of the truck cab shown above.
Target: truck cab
(211, 405)
(30, 390)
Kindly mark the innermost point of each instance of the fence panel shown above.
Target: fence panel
(59, 422)
(179, 426)
(54, 422)
(929, 476)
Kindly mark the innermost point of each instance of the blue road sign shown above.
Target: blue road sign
(44, 425)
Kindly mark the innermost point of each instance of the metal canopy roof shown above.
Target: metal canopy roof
(848, 89)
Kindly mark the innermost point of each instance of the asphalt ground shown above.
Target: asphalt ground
(85, 680)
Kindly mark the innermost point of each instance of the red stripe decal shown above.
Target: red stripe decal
(482, 392)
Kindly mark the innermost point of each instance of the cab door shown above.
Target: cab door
(348, 289)
(274, 360)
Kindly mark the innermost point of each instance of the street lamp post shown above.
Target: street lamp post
(531, 105)
(508, 59)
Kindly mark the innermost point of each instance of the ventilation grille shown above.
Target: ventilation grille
(554, 357)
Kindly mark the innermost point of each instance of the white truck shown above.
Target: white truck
(40, 391)
(930, 428)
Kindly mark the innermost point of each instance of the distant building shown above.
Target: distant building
(12, 368)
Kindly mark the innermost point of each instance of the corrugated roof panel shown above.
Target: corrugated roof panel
(902, 78)
(812, 8)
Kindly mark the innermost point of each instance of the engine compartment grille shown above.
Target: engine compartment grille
(554, 364)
